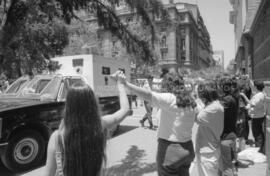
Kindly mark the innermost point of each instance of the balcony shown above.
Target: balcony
(167, 61)
(164, 48)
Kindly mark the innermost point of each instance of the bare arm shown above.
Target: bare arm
(50, 167)
(245, 98)
(141, 92)
(109, 121)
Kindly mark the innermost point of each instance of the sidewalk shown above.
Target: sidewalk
(133, 153)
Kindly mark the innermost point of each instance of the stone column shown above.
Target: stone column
(187, 62)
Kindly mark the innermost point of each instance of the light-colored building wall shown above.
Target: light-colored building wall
(182, 44)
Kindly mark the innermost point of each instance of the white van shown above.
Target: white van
(96, 70)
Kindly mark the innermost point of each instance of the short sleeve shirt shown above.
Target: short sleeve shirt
(210, 126)
(257, 105)
(175, 123)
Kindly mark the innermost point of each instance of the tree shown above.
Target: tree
(27, 42)
(17, 15)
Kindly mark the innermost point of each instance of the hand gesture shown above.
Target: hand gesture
(122, 78)
(114, 76)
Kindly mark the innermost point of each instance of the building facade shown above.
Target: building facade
(244, 18)
(219, 58)
(183, 44)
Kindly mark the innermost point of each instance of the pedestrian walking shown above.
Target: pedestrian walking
(78, 146)
(148, 108)
(210, 126)
(177, 114)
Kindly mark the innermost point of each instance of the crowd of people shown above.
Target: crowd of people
(221, 108)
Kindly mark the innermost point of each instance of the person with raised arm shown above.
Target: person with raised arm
(78, 146)
(175, 150)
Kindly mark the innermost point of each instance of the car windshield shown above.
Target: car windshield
(41, 87)
(17, 86)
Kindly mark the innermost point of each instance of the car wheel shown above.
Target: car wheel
(25, 151)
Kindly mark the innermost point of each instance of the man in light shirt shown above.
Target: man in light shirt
(257, 112)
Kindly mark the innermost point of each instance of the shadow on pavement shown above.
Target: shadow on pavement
(132, 165)
(124, 129)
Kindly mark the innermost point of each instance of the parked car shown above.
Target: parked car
(30, 110)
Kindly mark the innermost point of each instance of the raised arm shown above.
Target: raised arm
(245, 98)
(111, 120)
(141, 92)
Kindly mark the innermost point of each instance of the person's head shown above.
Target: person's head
(207, 92)
(175, 84)
(84, 139)
(259, 85)
(226, 85)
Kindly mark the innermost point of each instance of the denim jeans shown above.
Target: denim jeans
(174, 158)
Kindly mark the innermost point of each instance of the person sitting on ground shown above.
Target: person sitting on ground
(177, 114)
(77, 148)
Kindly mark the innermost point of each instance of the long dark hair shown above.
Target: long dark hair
(84, 139)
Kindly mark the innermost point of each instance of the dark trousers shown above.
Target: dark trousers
(148, 114)
(257, 130)
(174, 159)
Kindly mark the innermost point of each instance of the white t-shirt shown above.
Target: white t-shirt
(175, 123)
(210, 127)
(257, 109)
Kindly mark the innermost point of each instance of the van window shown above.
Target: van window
(106, 70)
(77, 62)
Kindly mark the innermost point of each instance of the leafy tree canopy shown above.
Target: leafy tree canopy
(33, 30)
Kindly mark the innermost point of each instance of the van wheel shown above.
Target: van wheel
(25, 151)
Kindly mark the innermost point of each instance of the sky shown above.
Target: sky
(215, 14)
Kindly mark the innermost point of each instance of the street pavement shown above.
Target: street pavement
(132, 151)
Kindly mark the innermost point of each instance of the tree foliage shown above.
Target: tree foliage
(33, 30)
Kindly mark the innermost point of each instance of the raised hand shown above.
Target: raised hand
(114, 76)
(122, 78)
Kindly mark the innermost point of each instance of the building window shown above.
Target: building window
(163, 55)
(183, 44)
(114, 48)
(182, 17)
(183, 56)
(163, 42)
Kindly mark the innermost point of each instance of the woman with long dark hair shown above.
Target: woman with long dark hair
(177, 114)
(77, 148)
